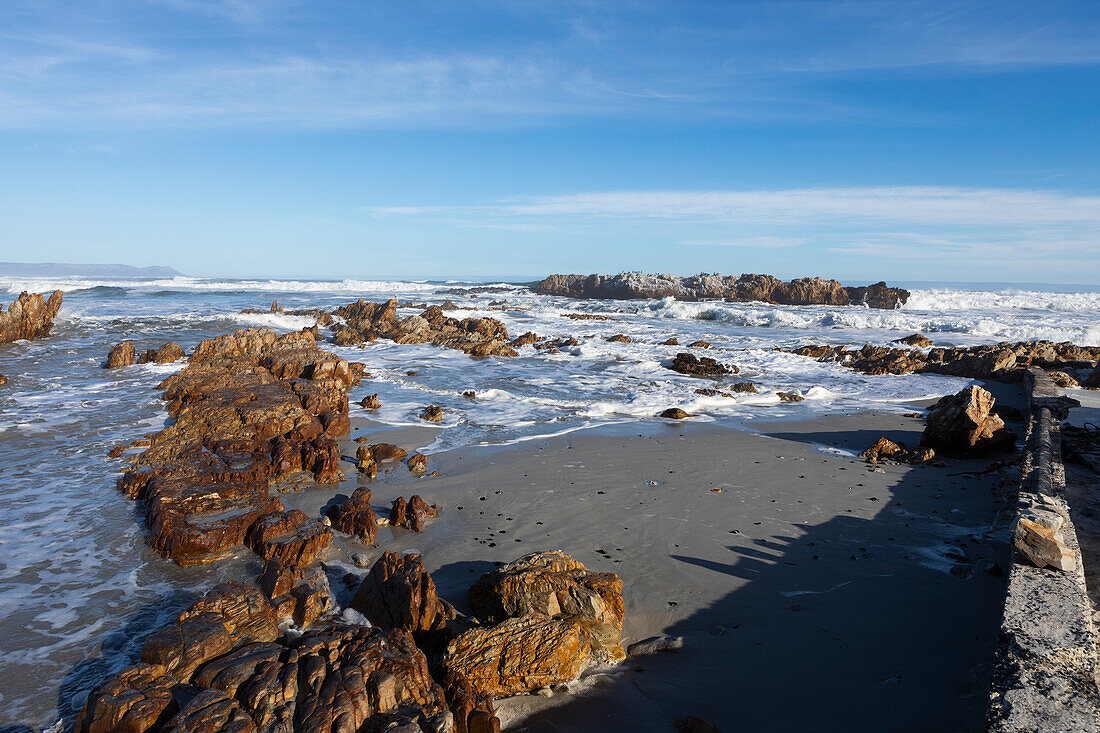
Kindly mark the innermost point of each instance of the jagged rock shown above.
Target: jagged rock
(121, 355)
(371, 402)
(249, 408)
(398, 593)
(1005, 361)
(700, 344)
(3, 380)
(686, 363)
(764, 288)
(166, 354)
(619, 338)
(965, 424)
(412, 515)
(30, 316)
(520, 655)
(744, 387)
(673, 341)
(432, 413)
(675, 413)
(918, 340)
(886, 449)
(355, 516)
(291, 536)
(417, 463)
(528, 338)
(555, 585)
(789, 397)
(138, 699)
(278, 578)
(333, 679)
(365, 321)
(1062, 379)
(210, 711)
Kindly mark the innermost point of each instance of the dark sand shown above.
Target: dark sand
(813, 592)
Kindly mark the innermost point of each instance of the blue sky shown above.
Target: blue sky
(859, 140)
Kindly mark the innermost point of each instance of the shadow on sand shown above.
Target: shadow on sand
(881, 624)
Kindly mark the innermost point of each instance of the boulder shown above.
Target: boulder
(789, 397)
(675, 413)
(412, 515)
(166, 354)
(700, 344)
(121, 355)
(387, 452)
(965, 424)
(371, 402)
(619, 338)
(1041, 545)
(672, 341)
(519, 655)
(355, 516)
(555, 585)
(30, 316)
(432, 413)
(417, 463)
(398, 593)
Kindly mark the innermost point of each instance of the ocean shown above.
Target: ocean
(78, 586)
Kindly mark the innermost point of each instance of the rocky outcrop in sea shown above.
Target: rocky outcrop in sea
(30, 316)
(763, 288)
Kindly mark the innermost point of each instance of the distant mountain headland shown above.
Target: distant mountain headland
(765, 288)
(60, 269)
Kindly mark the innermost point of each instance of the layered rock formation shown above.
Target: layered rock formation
(364, 321)
(225, 666)
(249, 408)
(30, 316)
(996, 361)
(545, 618)
(763, 288)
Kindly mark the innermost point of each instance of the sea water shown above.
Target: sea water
(79, 588)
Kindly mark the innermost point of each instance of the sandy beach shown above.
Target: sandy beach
(809, 588)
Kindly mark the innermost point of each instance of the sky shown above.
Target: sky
(886, 139)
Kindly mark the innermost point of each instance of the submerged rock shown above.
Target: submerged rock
(918, 340)
(432, 413)
(30, 316)
(675, 413)
(687, 363)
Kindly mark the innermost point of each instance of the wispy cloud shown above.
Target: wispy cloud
(242, 62)
(751, 242)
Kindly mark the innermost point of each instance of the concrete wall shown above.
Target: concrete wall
(1045, 675)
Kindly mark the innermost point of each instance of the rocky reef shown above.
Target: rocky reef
(30, 316)
(365, 321)
(420, 666)
(250, 408)
(763, 288)
(1006, 361)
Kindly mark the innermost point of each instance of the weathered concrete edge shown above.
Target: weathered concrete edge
(1045, 672)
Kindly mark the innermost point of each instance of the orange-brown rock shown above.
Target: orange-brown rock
(364, 321)
(965, 424)
(527, 338)
(675, 413)
(210, 711)
(137, 699)
(398, 593)
(789, 397)
(432, 413)
(166, 354)
(885, 449)
(371, 402)
(413, 515)
(387, 452)
(555, 585)
(355, 516)
(30, 316)
(687, 363)
(619, 338)
(673, 341)
(700, 344)
(291, 536)
(919, 340)
(520, 655)
(417, 463)
(120, 355)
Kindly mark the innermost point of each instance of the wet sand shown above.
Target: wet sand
(811, 590)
